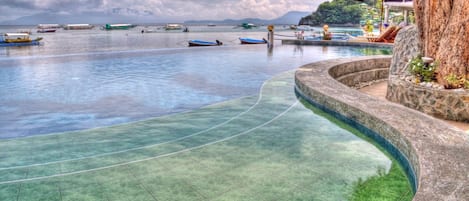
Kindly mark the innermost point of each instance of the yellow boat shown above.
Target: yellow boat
(18, 38)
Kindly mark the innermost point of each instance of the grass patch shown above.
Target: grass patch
(393, 186)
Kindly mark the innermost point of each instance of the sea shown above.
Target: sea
(153, 37)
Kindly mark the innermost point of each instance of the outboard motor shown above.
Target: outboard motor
(218, 42)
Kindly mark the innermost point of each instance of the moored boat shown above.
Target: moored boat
(46, 30)
(118, 26)
(252, 41)
(48, 26)
(78, 26)
(248, 25)
(17, 39)
(169, 27)
(193, 43)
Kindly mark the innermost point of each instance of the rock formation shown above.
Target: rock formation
(444, 32)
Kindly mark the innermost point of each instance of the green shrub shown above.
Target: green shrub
(424, 72)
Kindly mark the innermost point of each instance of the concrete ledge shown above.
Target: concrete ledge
(434, 154)
(335, 43)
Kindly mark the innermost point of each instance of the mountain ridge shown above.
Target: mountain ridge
(126, 15)
(291, 17)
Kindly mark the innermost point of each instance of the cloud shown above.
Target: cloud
(177, 9)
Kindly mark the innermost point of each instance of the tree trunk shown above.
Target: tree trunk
(444, 32)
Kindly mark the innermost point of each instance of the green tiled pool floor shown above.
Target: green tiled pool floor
(265, 147)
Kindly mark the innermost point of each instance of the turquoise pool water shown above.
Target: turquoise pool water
(267, 146)
(171, 124)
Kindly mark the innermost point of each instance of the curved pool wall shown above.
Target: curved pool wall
(433, 153)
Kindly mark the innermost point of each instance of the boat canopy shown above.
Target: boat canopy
(77, 25)
(120, 25)
(16, 35)
(46, 26)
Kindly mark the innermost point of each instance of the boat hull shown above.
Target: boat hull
(197, 43)
(5, 44)
(247, 41)
(46, 31)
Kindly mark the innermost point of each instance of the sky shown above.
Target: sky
(171, 9)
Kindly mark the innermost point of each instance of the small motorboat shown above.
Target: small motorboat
(169, 27)
(252, 41)
(193, 43)
(17, 39)
(46, 30)
(108, 27)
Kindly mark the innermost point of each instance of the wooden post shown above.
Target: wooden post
(270, 36)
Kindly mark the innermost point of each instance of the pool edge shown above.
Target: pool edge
(434, 151)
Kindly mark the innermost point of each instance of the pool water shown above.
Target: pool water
(263, 147)
(49, 94)
(218, 123)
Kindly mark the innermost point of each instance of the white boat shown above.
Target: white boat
(48, 26)
(173, 27)
(78, 26)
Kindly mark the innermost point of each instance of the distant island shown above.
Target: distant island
(292, 17)
(120, 15)
(342, 13)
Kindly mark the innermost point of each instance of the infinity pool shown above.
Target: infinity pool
(180, 124)
(48, 94)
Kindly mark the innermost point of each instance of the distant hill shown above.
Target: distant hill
(115, 15)
(126, 15)
(292, 17)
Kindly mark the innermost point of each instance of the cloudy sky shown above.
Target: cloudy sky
(174, 9)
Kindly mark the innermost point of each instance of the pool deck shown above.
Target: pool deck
(437, 152)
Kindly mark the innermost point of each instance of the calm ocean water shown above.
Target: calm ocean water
(97, 40)
(91, 78)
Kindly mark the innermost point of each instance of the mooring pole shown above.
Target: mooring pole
(270, 36)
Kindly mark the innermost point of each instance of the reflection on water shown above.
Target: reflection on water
(80, 80)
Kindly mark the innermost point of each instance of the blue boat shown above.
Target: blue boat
(252, 41)
(17, 39)
(193, 43)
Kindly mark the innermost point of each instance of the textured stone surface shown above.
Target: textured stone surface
(444, 30)
(446, 104)
(437, 152)
(406, 46)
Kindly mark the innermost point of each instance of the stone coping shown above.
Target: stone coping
(336, 43)
(436, 153)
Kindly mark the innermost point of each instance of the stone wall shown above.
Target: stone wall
(406, 46)
(446, 104)
(441, 103)
(437, 153)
